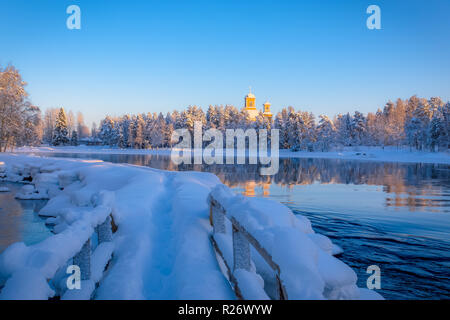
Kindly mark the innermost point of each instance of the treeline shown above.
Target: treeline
(422, 124)
(57, 121)
(154, 130)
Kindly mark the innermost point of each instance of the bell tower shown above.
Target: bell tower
(250, 105)
(250, 100)
(267, 113)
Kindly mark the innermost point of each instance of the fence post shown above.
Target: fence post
(104, 231)
(218, 219)
(83, 260)
(241, 251)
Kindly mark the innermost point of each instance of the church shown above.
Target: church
(250, 107)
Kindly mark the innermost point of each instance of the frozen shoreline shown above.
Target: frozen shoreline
(388, 154)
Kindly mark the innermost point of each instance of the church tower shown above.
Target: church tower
(250, 105)
(250, 101)
(267, 112)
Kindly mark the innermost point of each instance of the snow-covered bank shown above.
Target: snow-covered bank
(388, 154)
(161, 249)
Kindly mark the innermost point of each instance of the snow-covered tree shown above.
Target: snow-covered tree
(138, 132)
(49, 124)
(74, 138)
(326, 133)
(13, 103)
(60, 132)
(82, 129)
(359, 128)
(344, 127)
(106, 133)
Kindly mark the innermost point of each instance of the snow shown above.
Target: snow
(29, 192)
(37, 286)
(366, 294)
(251, 284)
(387, 154)
(85, 293)
(162, 248)
(4, 189)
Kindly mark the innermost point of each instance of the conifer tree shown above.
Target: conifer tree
(60, 133)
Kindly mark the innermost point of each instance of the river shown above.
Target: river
(393, 215)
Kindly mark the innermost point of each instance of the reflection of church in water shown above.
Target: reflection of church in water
(250, 107)
(250, 186)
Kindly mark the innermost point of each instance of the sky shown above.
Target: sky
(157, 56)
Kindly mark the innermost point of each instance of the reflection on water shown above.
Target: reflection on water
(393, 215)
(406, 185)
(19, 220)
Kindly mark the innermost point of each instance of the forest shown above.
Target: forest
(419, 123)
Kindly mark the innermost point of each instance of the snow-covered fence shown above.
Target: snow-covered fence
(83, 258)
(241, 253)
(29, 269)
(267, 252)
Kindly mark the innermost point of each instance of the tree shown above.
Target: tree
(138, 132)
(94, 132)
(106, 131)
(359, 128)
(344, 129)
(49, 124)
(82, 129)
(13, 104)
(61, 133)
(326, 133)
(32, 126)
(74, 138)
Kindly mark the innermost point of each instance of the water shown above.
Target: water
(19, 220)
(393, 215)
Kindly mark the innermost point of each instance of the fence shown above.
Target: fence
(242, 240)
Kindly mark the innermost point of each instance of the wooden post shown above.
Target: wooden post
(83, 260)
(282, 295)
(241, 251)
(218, 219)
(104, 231)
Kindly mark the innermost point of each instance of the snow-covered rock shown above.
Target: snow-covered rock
(29, 192)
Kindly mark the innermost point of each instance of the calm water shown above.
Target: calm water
(19, 220)
(396, 216)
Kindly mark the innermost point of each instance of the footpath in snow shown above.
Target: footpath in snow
(161, 248)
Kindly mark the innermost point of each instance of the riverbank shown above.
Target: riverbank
(387, 154)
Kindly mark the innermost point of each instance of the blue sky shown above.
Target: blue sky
(152, 56)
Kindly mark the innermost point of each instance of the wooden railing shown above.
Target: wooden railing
(83, 258)
(242, 240)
